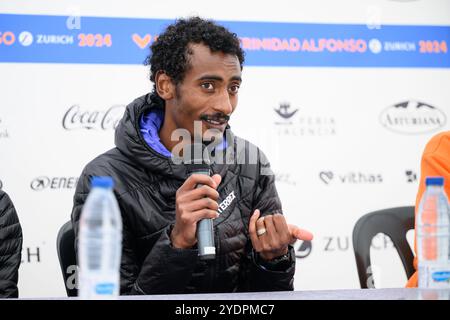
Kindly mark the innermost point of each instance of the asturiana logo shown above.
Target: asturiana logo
(412, 117)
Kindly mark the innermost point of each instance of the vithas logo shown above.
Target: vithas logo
(350, 177)
(326, 176)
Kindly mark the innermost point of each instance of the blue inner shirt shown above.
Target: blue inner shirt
(150, 124)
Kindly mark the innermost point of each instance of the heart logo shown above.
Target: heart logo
(326, 176)
(141, 42)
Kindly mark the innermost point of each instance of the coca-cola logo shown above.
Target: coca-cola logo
(77, 118)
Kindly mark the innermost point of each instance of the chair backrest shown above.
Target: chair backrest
(393, 222)
(65, 245)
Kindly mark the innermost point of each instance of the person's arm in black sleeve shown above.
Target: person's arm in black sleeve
(165, 269)
(171, 261)
(10, 248)
(277, 274)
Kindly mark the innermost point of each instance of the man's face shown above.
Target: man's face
(208, 93)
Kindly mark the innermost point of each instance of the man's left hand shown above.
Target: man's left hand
(271, 235)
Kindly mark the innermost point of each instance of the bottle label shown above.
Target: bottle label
(434, 276)
(440, 276)
(105, 288)
(96, 286)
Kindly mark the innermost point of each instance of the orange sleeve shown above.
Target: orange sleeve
(435, 162)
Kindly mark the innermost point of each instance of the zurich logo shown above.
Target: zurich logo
(25, 38)
(303, 249)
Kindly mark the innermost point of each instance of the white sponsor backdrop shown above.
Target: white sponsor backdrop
(334, 159)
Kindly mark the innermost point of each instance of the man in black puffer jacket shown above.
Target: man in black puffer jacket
(10, 247)
(196, 68)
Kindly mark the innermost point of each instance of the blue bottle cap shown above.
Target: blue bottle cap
(434, 181)
(102, 182)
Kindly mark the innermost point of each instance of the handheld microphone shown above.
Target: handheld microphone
(197, 162)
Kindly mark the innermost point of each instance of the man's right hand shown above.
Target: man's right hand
(193, 204)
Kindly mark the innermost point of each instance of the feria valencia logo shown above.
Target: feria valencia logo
(77, 118)
(412, 117)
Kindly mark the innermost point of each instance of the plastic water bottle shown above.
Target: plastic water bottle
(100, 242)
(433, 236)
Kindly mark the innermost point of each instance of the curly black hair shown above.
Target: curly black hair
(169, 53)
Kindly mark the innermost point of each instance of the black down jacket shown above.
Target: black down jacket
(10, 247)
(145, 187)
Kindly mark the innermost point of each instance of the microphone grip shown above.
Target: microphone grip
(205, 231)
(205, 238)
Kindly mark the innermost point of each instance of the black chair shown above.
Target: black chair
(65, 245)
(393, 222)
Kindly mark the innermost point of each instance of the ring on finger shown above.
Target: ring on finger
(261, 231)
